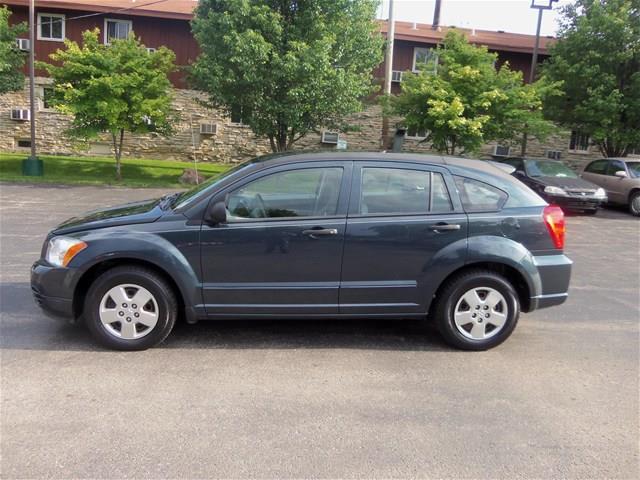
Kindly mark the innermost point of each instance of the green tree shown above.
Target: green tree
(11, 58)
(462, 101)
(113, 88)
(597, 59)
(286, 67)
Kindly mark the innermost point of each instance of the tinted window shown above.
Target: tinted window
(615, 166)
(599, 167)
(311, 192)
(478, 196)
(394, 190)
(515, 163)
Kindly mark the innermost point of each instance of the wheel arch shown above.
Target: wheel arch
(91, 274)
(515, 277)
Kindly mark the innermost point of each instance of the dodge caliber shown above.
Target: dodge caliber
(330, 235)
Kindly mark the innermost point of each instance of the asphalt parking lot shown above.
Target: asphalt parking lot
(276, 399)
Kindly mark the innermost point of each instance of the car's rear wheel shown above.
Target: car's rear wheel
(634, 204)
(477, 310)
(130, 308)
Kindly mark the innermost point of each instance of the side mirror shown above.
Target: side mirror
(621, 174)
(520, 173)
(216, 213)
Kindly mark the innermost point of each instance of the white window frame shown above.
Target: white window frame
(119, 20)
(414, 137)
(40, 94)
(52, 15)
(415, 54)
(578, 150)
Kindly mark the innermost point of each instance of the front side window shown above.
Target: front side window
(615, 166)
(425, 59)
(579, 142)
(309, 192)
(599, 167)
(478, 196)
(116, 30)
(51, 26)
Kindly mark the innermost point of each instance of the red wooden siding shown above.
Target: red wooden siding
(153, 32)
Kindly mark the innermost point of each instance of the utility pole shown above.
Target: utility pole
(32, 166)
(388, 72)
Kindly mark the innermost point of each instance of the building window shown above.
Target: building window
(23, 143)
(116, 29)
(45, 98)
(237, 114)
(579, 142)
(51, 27)
(417, 133)
(425, 59)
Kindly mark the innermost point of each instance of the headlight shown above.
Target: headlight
(62, 249)
(555, 191)
(600, 193)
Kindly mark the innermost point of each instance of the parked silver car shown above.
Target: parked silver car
(620, 177)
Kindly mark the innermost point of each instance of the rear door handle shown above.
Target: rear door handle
(444, 227)
(316, 232)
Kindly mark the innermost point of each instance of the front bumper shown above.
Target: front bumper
(555, 275)
(52, 289)
(576, 202)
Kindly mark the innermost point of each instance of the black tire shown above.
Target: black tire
(451, 294)
(634, 199)
(163, 294)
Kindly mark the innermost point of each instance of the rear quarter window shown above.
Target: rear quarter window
(477, 196)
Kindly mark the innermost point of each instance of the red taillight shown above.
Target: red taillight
(554, 220)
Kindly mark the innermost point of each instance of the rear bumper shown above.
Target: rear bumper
(555, 275)
(51, 289)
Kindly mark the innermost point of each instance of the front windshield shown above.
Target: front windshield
(548, 168)
(634, 168)
(185, 196)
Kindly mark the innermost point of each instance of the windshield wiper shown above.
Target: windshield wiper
(167, 200)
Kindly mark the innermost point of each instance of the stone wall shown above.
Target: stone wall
(231, 142)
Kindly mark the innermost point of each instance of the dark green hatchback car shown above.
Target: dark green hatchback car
(331, 235)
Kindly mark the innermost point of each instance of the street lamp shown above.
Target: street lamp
(541, 5)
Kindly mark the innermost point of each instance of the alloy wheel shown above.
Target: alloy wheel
(481, 313)
(128, 311)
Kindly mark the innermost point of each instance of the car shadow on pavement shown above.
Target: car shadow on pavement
(25, 327)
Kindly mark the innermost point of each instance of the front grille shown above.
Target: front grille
(575, 192)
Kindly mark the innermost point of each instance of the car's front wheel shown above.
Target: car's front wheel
(634, 204)
(130, 308)
(477, 310)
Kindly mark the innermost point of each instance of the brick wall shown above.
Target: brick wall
(231, 143)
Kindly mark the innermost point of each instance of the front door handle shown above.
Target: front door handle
(444, 227)
(316, 232)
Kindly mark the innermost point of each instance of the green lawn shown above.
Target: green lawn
(101, 171)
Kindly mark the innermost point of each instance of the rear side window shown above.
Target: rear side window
(478, 196)
(394, 190)
(402, 191)
(599, 167)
